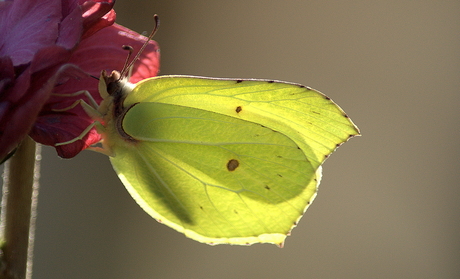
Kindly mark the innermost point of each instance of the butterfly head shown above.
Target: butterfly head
(117, 83)
(114, 85)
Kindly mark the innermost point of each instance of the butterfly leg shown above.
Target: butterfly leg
(82, 92)
(92, 110)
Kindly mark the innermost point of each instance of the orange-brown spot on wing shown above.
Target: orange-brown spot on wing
(232, 164)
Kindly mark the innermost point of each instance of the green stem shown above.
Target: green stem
(19, 202)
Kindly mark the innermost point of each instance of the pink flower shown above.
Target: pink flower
(48, 49)
(102, 51)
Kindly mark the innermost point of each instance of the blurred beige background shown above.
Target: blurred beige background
(388, 205)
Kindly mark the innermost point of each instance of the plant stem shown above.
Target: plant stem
(19, 203)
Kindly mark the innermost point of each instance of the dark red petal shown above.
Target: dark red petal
(96, 16)
(48, 57)
(71, 27)
(22, 101)
(61, 127)
(102, 51)
(53, 127)
(28, 26)
(6, 75)
(5, 8)
(10, 135)
(35, 45)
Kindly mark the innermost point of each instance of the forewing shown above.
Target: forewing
(308, 117)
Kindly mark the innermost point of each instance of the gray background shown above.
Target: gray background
(388, 205)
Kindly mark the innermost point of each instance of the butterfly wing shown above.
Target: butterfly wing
(227, 161)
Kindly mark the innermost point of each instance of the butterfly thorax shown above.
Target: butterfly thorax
(114, 88)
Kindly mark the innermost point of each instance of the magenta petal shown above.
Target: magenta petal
(53, 127)
(71, 27)
(97, 15)
(12, 130)
(102, 51)
(27, 27)
(5, 9)
(60, 127)
(6, 74)
(22, 101)
(48, 57)
(36, 41)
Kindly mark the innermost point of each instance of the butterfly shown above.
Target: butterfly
(224, 161)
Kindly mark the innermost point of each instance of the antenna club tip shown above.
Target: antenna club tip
(127, 47)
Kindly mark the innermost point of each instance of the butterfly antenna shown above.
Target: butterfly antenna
(127, 67)
(126, 64)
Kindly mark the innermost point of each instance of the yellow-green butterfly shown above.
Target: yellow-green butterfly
(221, 160)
